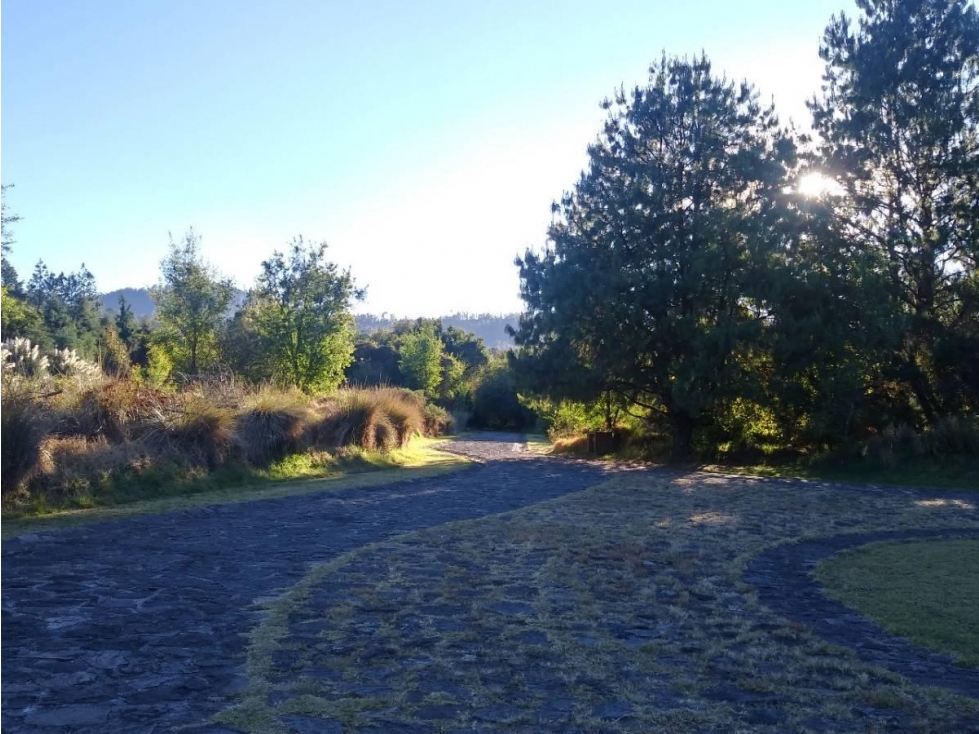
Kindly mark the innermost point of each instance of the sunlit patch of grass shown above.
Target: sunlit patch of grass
(168, 491)
(927, 590)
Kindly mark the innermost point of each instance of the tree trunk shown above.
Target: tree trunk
(682, 425)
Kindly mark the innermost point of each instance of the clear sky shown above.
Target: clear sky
(424, 141)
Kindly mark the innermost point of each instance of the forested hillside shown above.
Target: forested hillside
(491, 328)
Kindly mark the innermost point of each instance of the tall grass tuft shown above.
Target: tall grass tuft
(204, 432)
(405, 411)
(115, 408)
(24, 423)
(377, 419)
(274, 425)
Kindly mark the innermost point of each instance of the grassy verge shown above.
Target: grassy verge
(295, 475)
(925, 590)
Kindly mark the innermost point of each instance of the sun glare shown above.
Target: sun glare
(816, 184)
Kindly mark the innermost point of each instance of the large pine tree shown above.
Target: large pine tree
(655, 270)
(897, 123)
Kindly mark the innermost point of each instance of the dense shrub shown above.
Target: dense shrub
(955, 436)
(496, 405)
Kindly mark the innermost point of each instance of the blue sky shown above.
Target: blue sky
(424, 141)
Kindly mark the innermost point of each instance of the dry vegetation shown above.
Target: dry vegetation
(84, 441)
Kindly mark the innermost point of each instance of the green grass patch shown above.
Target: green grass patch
(164, 489)
(926, 590)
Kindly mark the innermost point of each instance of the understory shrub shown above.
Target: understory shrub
(951, 436)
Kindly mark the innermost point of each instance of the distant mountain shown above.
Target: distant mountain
(139, 301)
(143, 306)
(491, 328)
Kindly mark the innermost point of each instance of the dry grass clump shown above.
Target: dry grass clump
(274, 425)
(375, 419)
(67, 437)
(405, 410)
(355, 418)
(116, 409)
(23, 426)
(75, 466)
(204, 432)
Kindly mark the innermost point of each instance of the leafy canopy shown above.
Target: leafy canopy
(300, 308)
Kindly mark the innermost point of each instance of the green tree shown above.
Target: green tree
(655, 274)
(375, 360)
(420, 360)
(70, 308)
(897, 123)
(191, 301)
(300, 307)
(8, 274)
(127, 327)
(20, 318)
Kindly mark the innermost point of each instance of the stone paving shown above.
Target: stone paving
(502, 598)
(137, 625)
(631, 606)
